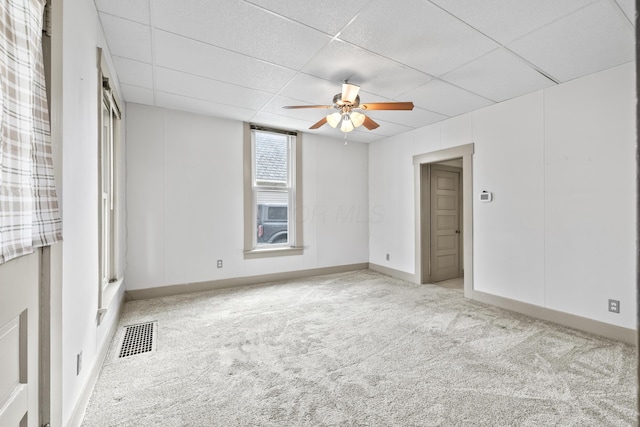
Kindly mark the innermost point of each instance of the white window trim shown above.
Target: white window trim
(250, 249)
(110, 277)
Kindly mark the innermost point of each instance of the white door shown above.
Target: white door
(445, 224)
(19, 287)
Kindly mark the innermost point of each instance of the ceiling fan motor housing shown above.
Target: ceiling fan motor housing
(339, 103)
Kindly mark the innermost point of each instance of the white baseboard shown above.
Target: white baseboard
(403, 275)
(162, 291)
(580, 323)
(85, 394)
(584, 324)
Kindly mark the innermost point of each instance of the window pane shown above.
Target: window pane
(277, 213)
(271, 158)
(272, 218)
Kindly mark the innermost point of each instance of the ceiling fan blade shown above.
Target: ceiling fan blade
(349, 92)
(319, 123)
(369, 124)
(291, 107)
(387, 106)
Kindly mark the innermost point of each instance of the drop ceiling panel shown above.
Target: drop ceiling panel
(340, 60)
(192, 86)
(137, 94)
(357, 135)
(242, 27)
(415, 118)
(444, 98)
(507, 20)
(498, 76)
(120, 33)
(183, 103)
(134, 72)
(311, 115)
(134, 10)
(183, 54)
(231, 58)
(311, 90)
(627, 6)
(275, 120)
(329, 16)
(590, 40)
(418, 34)
(386, 128)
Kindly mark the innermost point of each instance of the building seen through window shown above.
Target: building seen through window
(273, 189)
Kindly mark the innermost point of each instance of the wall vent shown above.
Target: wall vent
(138, 339)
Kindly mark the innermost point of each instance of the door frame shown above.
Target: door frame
(428, 209)
(466, 153)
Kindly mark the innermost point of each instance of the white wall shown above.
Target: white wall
(77, 33)
(185, 201)
(560, 232)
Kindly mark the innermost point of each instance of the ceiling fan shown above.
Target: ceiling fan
(347, 103)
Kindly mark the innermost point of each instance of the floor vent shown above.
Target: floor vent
(138, 339)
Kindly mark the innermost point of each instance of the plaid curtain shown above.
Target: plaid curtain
(29, 212)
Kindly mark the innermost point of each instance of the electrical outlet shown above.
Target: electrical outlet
(387, 257)
(78, 363)
(614, 306)
(219, 263)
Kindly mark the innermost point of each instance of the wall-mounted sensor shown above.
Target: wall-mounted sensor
(485, 196)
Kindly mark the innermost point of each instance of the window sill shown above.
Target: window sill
(110, 291)
(272, 252)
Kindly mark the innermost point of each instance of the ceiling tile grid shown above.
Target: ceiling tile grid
(198, 58)
(335, 15)
(310, 89)
(241, 27)
(508, 20)
(134, 72)
(192, 86)
(416, 118)
(137, 94)
(127, 39)
(199, 106)
(340, 60)
(133, 10)
(498, 76)
(246, 59)
(312, 115)
(447, 99)
(590, 40)
(417, 33)
(628, 8)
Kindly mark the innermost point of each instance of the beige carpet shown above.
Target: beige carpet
(359, 349)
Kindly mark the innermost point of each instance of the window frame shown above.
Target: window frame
(110, 277)
(294, 245)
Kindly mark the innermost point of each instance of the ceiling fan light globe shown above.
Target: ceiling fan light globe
(357, 118)
(346, 126)
(334, 119)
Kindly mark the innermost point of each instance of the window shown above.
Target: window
(109, 153)
(272, 192)
(110, 118)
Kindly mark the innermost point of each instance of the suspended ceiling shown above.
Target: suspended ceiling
(244, 60)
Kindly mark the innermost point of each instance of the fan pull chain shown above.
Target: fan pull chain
(345, 138)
